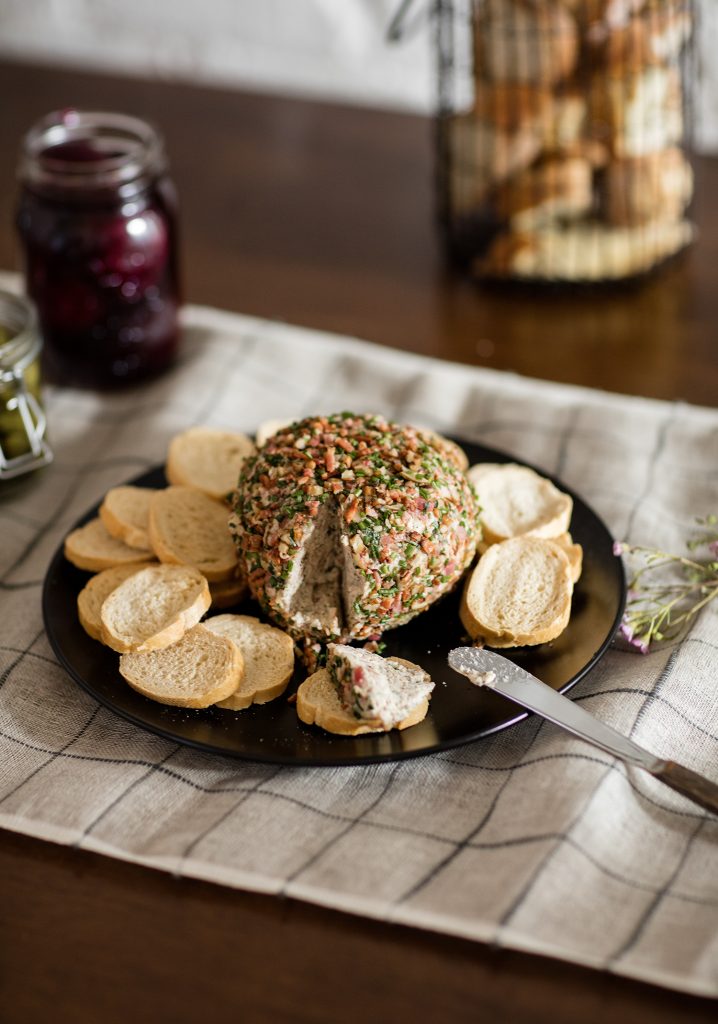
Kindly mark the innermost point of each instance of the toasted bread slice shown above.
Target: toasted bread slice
(516, 501)
(153, 608)
(268, 655)
(197, 671)
(189, 528)
(268, 429)
(318, 703)
(574, 553)
(92, 548)
(207, 459)
(93, 594)
(125, 512)
(228, 593)
(519, 593)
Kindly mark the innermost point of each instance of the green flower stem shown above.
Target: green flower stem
(660, 611)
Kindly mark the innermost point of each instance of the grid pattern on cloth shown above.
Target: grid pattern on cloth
(528, 839)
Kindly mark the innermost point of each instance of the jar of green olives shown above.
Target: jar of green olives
(23, 426)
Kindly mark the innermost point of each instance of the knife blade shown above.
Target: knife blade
(486, 668)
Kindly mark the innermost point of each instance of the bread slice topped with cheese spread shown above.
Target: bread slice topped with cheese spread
(360, 692)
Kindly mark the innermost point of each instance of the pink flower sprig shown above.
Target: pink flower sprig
(666, 592)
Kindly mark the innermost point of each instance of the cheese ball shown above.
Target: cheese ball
(349, 525)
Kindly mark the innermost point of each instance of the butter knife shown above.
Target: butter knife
(485, 668)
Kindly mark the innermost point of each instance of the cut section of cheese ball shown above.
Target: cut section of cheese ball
(92, 548)
(207, 459)
(516, 501)
(318, 704)
(125, 511)
(153, 608)
(188, 528)
(268, 655)
(518, 594)
(195, 672)
(96, 590)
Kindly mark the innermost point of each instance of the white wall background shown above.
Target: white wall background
(330, 48)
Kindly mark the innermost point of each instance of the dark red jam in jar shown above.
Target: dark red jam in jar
(97, 219)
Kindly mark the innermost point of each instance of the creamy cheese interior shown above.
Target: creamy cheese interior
(324, 582)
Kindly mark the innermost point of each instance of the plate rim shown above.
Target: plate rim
(339, 761)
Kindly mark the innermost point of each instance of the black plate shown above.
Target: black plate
(459, 712)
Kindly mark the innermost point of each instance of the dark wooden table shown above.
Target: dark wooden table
(323, 215)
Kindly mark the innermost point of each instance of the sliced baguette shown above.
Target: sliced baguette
(92, 548)
(518, 594)
(207, 459)
(318, 704)
(228, 593)
(96, 590)
(268, 655)
(573, 552)
(196, 672)
(516, 501)
(125, 512)
(153, 608)
(268, 429)
(188, 528)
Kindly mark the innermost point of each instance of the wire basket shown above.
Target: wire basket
(564, 132)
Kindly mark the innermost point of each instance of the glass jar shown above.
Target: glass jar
(563, 135)
(97, 221)
(23, 441)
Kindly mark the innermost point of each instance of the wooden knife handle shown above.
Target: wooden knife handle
(689, 783)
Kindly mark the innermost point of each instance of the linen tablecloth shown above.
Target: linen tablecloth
(528, 839)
